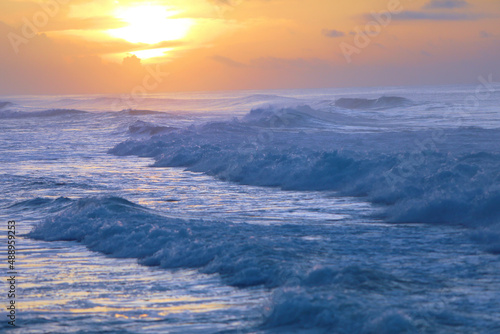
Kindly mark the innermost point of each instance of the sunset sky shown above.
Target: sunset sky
(109, 46)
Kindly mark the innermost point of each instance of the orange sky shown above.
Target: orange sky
(108, 46)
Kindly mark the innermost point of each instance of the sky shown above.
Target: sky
(111, 46)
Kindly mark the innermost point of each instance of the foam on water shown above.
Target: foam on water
(319, 281)
(123, 229)
(416, 178)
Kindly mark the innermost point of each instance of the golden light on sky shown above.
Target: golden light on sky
(100, 46)
(150, 24)
(151, 53)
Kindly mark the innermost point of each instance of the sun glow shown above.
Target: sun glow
(150, 24)
(153, 53)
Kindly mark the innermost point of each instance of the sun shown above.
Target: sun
(150, 24)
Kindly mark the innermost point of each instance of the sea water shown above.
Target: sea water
(367, 210)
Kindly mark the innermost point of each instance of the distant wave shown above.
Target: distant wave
(265, 98)
(286, 117)
(140, 112)
(5, 104)
(380, 103)
(450, 184)
(299, 117)
(45, 113)
(173, 104)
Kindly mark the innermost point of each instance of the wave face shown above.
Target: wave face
(418, 177)
(146, 128)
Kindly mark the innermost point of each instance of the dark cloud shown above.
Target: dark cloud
(440, 16)
(485, 34)
(444, 13)
(332, 33)
(446, 4)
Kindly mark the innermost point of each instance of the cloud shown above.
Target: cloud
(441, 16)
(446, 4)
(485, 34)
(332, 33)
(227, 61)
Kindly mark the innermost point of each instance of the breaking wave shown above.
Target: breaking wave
(140, 112)
(417, 179)
(120, 228)
(343, 297)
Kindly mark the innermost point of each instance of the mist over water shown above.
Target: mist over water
(318, 211)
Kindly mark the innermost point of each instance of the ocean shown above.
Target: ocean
(356, 210)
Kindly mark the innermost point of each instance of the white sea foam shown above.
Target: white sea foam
(322, 285)
(417, 180)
